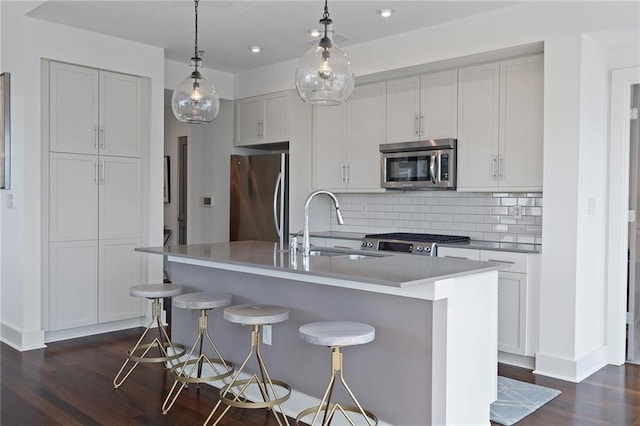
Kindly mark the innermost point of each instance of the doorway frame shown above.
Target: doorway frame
(618, 213)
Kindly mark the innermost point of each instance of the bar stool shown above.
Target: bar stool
(337, 334)
(234, 394)
(138, 353)
(218, 366)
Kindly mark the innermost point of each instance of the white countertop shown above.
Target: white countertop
(393, 270)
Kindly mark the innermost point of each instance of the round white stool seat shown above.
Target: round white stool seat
(202, 300)
(151, 291)
(337, 333)
(256, 314)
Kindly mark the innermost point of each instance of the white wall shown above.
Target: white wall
(173, 129)
(210, 147)
(22, 248)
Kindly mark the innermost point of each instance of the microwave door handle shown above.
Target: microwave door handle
(432, 167)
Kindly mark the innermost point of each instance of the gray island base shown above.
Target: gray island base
(434, 358)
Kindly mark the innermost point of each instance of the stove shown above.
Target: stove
(406, 242)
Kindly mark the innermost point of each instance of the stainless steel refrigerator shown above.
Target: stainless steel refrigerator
(260, 198)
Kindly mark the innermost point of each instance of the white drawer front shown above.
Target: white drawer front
(459, 253)
(511, 262)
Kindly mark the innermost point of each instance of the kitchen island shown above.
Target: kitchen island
(434, 359)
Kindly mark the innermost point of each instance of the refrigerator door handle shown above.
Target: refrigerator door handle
(275, 205)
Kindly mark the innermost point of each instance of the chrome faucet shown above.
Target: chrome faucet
(306, 245)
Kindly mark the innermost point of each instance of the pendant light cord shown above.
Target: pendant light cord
(196, 38)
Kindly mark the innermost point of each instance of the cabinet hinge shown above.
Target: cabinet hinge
(634, 114)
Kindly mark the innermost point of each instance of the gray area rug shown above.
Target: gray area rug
(518, 399)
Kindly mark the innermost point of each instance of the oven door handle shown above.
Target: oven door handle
(432, 167)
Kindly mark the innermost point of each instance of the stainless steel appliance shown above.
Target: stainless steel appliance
(429, 164)
(404, 242)
(259, 198)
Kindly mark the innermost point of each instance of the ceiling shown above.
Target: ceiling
(228, 28)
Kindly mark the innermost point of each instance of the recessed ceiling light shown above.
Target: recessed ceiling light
(314, 33)
(255, 49)
(385, 13)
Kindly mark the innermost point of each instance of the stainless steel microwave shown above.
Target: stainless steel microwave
(429, 164)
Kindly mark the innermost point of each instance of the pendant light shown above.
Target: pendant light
(195, 100)
(323, 75)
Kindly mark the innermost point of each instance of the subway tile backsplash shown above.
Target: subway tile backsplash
(481, 216)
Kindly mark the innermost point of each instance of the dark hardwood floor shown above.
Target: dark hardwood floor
(70, 383)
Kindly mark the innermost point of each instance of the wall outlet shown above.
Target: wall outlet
(517, 212)
(266, 334)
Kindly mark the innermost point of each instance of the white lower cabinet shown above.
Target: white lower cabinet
(120, 268)
(73, 284)
(518, 279)
(89, 282)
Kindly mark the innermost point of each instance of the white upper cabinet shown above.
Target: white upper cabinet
(403, 109)
(73, 119)
(439, 105)
(262, 119)
(346, 141)
(500, 128)
(94, 112)
(521, 122)
(121, 115)
(328, 145)
(422, 107)
(366, 124)
(478, 112)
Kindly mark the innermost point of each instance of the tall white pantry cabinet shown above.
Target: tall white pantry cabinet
(95, 132)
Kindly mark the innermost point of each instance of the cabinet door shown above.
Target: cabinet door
(73, 111)
(73, 197)
(120, 198)
(439, 105)
(120, 115)
(73, 284)
(120, 267)
(478, 97)
(366, 112)
(329, 139)
(403, 105)
(512, 312)
(521, 122)
(274, 126)
(247, 116)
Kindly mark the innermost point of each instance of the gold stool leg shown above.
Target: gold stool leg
(162, 343)
(264, 383)
(183, 376)
(329, 408)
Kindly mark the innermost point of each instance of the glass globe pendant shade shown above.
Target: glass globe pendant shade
(324, 77)
(195, 100)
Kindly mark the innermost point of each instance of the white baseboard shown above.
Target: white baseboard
(522, 361)
(572, 370)
(22, 340)
(72, 333)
